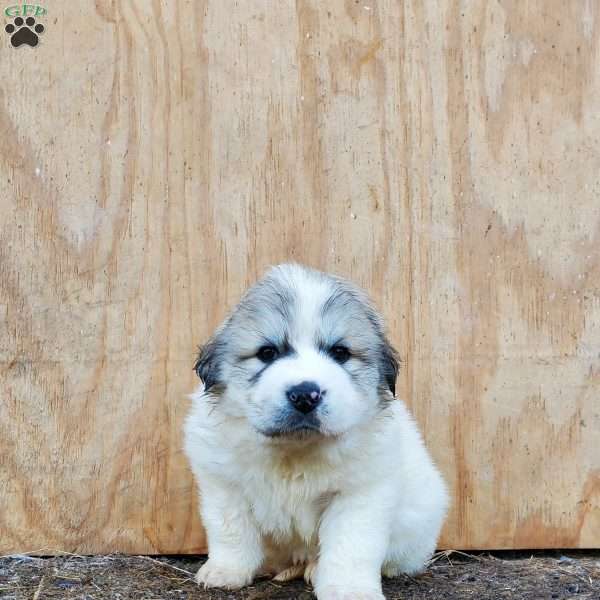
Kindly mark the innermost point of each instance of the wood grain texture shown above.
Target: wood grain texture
(155, 157)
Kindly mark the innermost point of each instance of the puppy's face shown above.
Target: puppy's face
(302, 354)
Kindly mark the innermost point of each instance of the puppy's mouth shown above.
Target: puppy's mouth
(294, 427)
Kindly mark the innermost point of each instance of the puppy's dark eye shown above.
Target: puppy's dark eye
(267, 354)
(340, 354)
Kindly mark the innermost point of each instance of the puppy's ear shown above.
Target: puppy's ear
(207, 364)
(388, 365)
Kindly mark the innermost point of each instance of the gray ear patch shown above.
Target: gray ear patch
(207, 363)
(388, 366)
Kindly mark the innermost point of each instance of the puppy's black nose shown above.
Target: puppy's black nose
(305, 396)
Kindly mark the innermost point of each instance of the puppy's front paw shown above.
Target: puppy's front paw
(217, 575)
(333, 592)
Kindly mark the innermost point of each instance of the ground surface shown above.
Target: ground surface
(517, 576)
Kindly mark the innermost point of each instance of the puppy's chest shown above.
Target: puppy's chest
(288, 508)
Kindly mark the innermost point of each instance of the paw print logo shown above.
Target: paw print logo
(24, 32)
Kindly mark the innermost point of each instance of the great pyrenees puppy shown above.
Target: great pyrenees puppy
(305, 461)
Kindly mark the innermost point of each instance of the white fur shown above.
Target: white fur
(360, 498)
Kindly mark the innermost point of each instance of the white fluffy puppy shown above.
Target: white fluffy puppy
(305, 461)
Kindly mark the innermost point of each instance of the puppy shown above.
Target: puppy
(305, 461)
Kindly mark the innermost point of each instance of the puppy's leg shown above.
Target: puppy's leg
(414, 531)
(353, 539)
(412, 542)
(235, 551)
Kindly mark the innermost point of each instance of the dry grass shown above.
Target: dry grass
(451, 575)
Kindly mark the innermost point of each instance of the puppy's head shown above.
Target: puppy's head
(303, 353)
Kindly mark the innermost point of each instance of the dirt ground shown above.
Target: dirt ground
(539, 576)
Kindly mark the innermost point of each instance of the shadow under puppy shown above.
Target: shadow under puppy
(306, 463)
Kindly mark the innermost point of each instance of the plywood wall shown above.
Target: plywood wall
(155, 157)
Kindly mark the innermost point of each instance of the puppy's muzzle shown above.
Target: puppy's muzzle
(305, 396)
